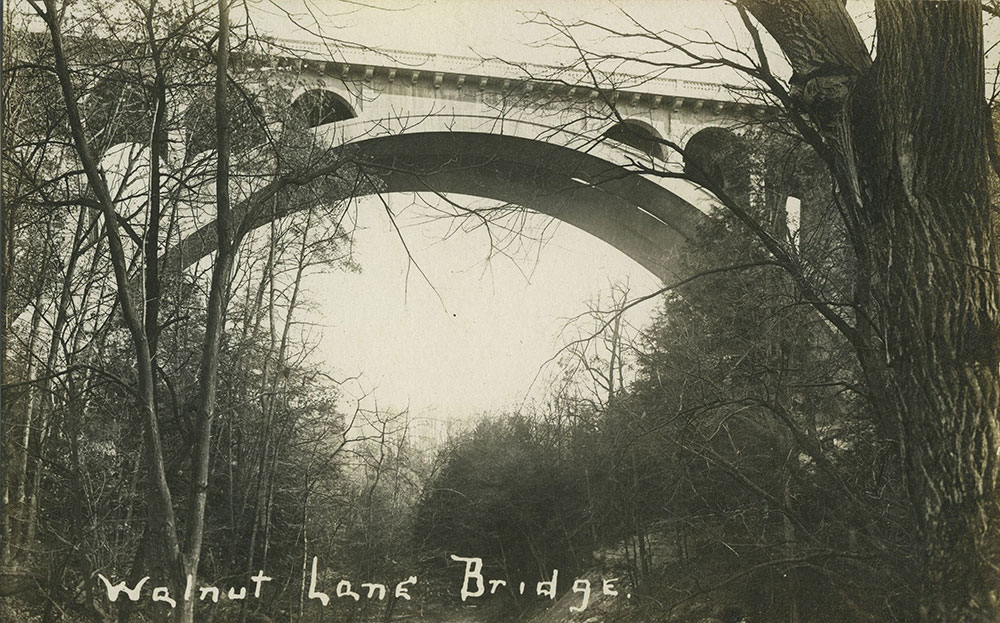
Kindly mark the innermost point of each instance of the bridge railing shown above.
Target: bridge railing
(318, 51)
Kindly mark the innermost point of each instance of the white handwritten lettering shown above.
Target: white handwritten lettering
(473, 571)
(117, 589)
(161, 593)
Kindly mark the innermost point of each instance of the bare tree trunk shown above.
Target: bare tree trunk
(20, 486)
(161, 512)
(906, 142)
(267, 388)
(933, 241)
(305, 554)
(208, 370)
(789, 530)
(279, 379)
(11, 111)
(62, 315)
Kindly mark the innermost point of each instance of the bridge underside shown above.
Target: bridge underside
(639, 217)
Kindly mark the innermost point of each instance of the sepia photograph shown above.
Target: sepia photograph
(500, 311)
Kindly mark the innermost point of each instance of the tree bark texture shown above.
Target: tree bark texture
(939, 293)
(906, 137)
(208, 371)
(161, 512)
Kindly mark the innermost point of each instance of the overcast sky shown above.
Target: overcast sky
(477, 336)
(473, 27)
(509, 29)
(474, 335)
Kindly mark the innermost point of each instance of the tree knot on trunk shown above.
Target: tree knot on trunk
(824, 91)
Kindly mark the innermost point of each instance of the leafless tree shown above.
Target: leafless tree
(904, 135)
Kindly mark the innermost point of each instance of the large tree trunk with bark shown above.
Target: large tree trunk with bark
(933, 243)
(906, 139)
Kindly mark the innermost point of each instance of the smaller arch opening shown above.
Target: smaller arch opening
(319, 107)
(717, 155)
(638, 135)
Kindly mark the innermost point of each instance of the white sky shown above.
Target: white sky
(481, 345)
(474, 27)
(507, 29)
(473, 335)
(478, 335)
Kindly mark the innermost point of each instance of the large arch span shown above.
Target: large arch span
(580, 181)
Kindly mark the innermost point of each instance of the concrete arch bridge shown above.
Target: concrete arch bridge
(445, 124)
